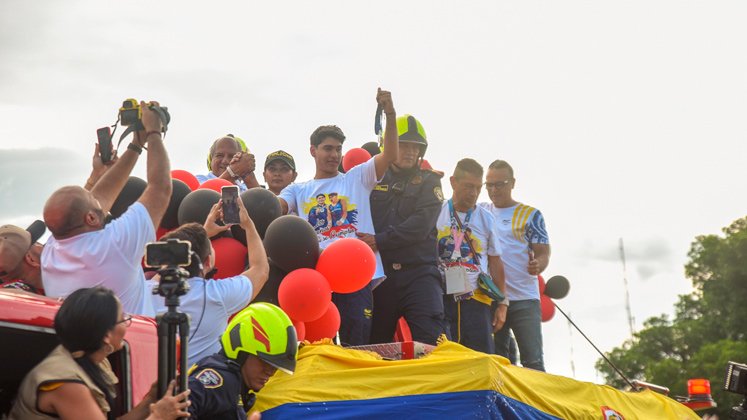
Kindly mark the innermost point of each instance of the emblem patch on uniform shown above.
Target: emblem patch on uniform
(417, 180)
(367, 313)
(439, 194)
(210, 378)
(384, 188)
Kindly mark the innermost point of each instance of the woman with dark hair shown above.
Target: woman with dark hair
(76, 379)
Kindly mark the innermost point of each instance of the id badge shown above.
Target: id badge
(456, 280)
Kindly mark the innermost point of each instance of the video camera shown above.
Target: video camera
(736, 382)
(131, 114)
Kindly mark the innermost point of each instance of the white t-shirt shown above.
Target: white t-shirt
(209, 303)
(519, 226)
(484, 239)
(109, 257)
(337, 207)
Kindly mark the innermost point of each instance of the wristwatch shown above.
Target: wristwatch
(231, 172)
(504, 302)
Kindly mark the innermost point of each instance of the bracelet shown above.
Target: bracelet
(231, 172)
(504, 302)
(147, 134)
(135, 148)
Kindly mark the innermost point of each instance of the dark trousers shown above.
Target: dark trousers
(356, 310)
(417, 295)
(471, 323)
(524, 318)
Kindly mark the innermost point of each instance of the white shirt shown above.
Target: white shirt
(341, 216)
(209, 304)
(518, 226)
(484, 240)
(109, 257)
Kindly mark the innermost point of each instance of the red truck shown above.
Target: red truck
(27, 336)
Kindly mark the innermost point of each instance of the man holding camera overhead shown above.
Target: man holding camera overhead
(84, 251)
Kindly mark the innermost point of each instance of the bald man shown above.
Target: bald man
(83, 252)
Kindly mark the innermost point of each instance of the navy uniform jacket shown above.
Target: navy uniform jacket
(404, 207)
(216, 386)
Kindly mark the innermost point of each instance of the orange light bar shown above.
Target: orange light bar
(699, 387)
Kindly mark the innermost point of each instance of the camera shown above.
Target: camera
(736, 382)
(131, 114)
(171, 253)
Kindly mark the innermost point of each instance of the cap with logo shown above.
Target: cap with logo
(281, 156)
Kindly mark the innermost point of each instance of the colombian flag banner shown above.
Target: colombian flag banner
(453, 381)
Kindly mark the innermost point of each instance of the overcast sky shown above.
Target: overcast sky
(621, 119)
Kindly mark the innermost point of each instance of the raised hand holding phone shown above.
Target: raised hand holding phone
(230, 205)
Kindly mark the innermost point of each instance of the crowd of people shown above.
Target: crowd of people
(433, 257)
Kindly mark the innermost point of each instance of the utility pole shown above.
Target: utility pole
(627, 292)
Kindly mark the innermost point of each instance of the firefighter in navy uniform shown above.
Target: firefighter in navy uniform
(404, 207)
(258, 341)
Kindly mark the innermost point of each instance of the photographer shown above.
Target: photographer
(75, 381)
(85, 253)
(211, 302)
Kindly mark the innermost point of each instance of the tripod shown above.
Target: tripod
(171, 286)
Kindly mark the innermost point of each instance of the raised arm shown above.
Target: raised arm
(156, 196)
(259, 267)
(391, 139)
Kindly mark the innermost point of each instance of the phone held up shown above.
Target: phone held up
(230, 204)
(104, 135)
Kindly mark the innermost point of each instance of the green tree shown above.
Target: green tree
(708, 330)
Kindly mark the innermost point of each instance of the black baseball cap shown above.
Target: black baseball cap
(281, 156)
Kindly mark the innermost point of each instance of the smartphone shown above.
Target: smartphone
(229, 199)
(104, 135)
(171, 253)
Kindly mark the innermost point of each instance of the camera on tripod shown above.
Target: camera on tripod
(736, 382)
(170, 257)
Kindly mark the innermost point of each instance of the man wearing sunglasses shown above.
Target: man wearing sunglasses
(526, 254)
(20, 257)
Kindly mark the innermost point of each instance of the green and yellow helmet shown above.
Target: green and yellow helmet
(264, 330)
(410, 130)
(242, 147)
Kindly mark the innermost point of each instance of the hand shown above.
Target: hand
(369, 239)
(533, 267)
(211, 225)
(244, 164)
(499, 318)
(255, 416)
(384, 99)
(99, 168)
(151, 119)
(170, 407)
(244, 220)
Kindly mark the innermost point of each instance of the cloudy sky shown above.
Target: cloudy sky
(621, 119)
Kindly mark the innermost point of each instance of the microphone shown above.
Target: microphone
(36, 230)
(557, 287)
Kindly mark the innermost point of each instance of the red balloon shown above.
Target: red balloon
(230, 257)
(300, 330)
(354, 157)
(541, 282)
(426, 165)
(215, 184)
(304, 294)
(186, 178)
(324, 327)
(348, 264)
(548, 308)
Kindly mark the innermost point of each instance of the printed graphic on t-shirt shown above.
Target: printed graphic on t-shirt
(332, 215)
(446, 245)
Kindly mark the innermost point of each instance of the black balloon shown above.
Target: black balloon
(132, 190)
(372, 147)
(179, 190)
(263, 207)
(196, 206)
(269, 292)
(291, 243)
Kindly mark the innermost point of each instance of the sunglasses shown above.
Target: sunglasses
(126, 320)
(496, 185)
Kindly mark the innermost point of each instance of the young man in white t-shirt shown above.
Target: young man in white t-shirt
(83, 251)
(464, 230)
(526, 254)
(210, 303)
(347, 212)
